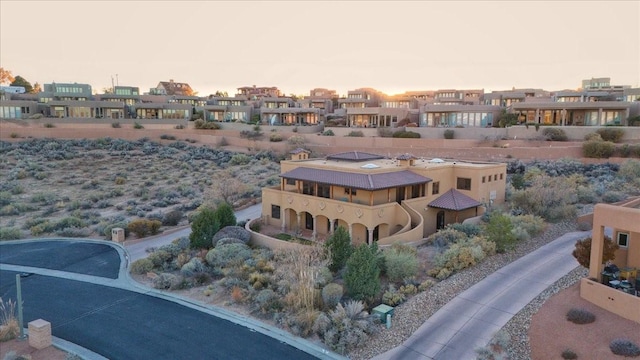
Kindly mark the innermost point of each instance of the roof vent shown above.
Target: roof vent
(370, 166)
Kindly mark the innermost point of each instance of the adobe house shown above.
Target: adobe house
(401, 199)
(626, 232)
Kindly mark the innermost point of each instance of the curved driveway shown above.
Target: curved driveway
(109, 315)
(471, 319)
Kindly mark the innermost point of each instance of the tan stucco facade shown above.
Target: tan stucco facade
(625, 224)
(387, 215)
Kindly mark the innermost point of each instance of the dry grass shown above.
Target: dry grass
(9, 328)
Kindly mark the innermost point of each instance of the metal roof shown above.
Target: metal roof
(363, 181)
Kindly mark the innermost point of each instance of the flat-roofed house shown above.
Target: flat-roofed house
(377, 198)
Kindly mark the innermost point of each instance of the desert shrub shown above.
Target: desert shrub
(355, 133)
(593, 137)
(339, 248)
(446, 236)
(393, 297)
(551, 198)
(500, 231)
(141, 266)
(580, 316)
(611, 134)
(468, 229)
(166, 281)
(167, 137)
(346, 327)
(267, 301)
(598, 149)
(74, 232)
(328, 133)
(532, 224)
(406, 134)
(624, 347)
(425, 285)
(400, 264)
(554, 134)
(233, 232)
(496, 348)
(586, 195)
(143, 227)
(449, 134)
(172, 218)
(630, 170)
(159, 258)
(193, 267)
(206, 125)
(9, 326)
(228, 255)
(332, 294)
(137, 125)
(613, 196)
(461, 255)
(115, 125)
(10, 233)
(582, 251)
(275, 137)
(569, 354)
(239, 159)
(362, 275)
(323, 277)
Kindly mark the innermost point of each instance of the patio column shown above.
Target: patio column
(315, 228)
(298, 222)
(351, 233)
(331, 226)
(597, 248)
(370, 240)
(599, 117)
(284, 222)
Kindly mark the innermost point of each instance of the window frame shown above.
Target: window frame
(626, 239)
(275, 207)
(463, 183)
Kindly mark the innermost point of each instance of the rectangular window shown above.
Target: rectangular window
(275, 211)
(495, 177)
(351, 191)
(489, 178)
(484, 179)
(500, 176)
(291, 182)
(623, 240)
(463, 183)
(435, 188)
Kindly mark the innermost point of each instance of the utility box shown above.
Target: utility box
(382, 311)
(117, 235)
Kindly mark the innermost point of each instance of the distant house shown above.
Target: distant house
(172, 88)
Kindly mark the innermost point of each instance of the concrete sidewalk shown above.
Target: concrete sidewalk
(471, 319)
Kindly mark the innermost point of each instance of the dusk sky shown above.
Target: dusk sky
(392, 46)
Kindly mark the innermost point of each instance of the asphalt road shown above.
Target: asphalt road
(138, 250)
(119, 323)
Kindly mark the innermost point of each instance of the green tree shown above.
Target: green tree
(203, 227)
(362, 277)
(339, 248)
(506, 119)
(582, 252)
(500, 231)
(20, 81)
(224, 214)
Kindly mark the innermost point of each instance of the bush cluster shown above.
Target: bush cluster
(275, 137)
(554, 134)
(611, 134)
(346, 327)
(598, 149)
(328, 132)
(406, 134)
(461, 255)
(144, 227)
(624, 347)
(206, 125)
(231, 232)
(449, 134)
(355, 133)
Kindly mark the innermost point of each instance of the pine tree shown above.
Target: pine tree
(339, 248)
(362, 277)
(203, 227)
(225, 215)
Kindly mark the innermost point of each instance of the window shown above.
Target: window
(275, 211)
(436, 188)
(351, 191)
(483, 179)
(495, 177)
(500, 176)
(463, 183)
(291, 181)
(623, 240)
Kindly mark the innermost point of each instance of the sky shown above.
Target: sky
(392, 46)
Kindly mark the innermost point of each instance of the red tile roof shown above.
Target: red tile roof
(354, 156)
(454, 200)
(357, 180)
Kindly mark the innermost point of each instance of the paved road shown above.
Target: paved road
(119, 320)
(471, 319)
(138, 250)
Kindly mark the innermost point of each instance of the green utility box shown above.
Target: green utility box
(382, 311)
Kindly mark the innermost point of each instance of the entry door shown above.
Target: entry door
(308, 221)
(440, 220)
